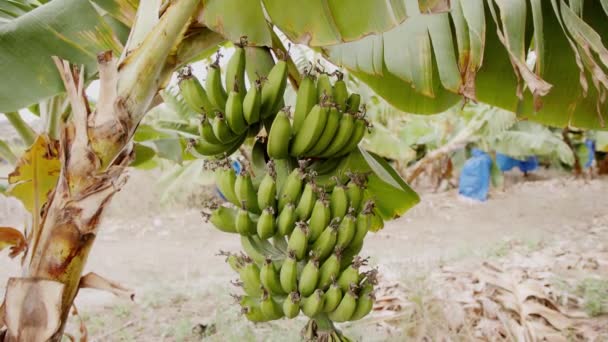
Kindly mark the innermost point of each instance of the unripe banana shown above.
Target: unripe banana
(234, 113)
(338, 202)
(250, 276)
(354, 192)
(332, 299)
(225, 178)
(307, 202)
(251, 247)
(221, 130)
(364, 222)
(305, 100)
(214, 87)
(311, 131)
(194, 94)
(340, 93)
(346, 230)
(291, 305)
(331, 127)
(271, 309)
(313, 305)
(288, 275)
(286, 221)
(235, 71)
(253, 312)
(252, 103)
(279, 136)
(319, 218)
(245, 192)
(351, 274)
(235, 261)
(291, 190)
(244, 223)
(349, 254)
(267, 191)
(298, 240)
(352, 105)
(325, 244)
(223, 219)
(365, 303)
(259, 61)
(273, 89)
(358, 133)
(309, 277)
(346, 308)
(324, 89)
(329, 271)
(266, 227)
(206, 131)
(341, 138)
(270, 278)
(201, 148)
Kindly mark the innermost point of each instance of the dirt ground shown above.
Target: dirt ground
(182, 287)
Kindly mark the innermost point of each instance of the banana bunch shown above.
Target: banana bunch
(230, 111)
(301, 243)
(326, 123)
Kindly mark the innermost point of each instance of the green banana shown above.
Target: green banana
(358, 133)
(273, 89)
(311, 131)
(331, 127)
(269, 278)
(225, 178)
(249, 244)
(235, 71)
(324, 245)
(352, 105)
(319, 218)
(349, 254)
(354, 192)
(306, 202)
(253, 312)
(346, 230)
(365, 304)
(279, 136)
(252, 103)
(259, 62)
(200, 148)
(250, 276)
(305, 100)
(221, 130)
(298, 240)
(245, 192)
(340, 93)
(342, 136)
(288, 275)
(244, 223)
(271, 309)
(309, 277)
(214, 87)
(313, 305)
(332, 299)
(193, 93)
(329, 271)
(234, 260)
(267, 191)
(206, 131)
(234, 113)
(286, 220)
(324, 89)
(351, 274)
(291, 305)
(266, 227)
(364, 222)
(346, 308)
(338, 201)
(291, 190)
(325, 166)
(223, 219)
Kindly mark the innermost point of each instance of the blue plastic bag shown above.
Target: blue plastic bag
(236, 166)
(475, 176)
(591, 150)
(506, 163)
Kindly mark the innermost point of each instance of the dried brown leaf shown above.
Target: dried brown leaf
(11, 237)
(93, 280)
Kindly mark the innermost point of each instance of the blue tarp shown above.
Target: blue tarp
(475, 176)
(506, 163)
(237, 168)
(591, 150)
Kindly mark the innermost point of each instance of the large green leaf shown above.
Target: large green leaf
(415, 66)
(321, 23)
(70, 29)
(237, 18)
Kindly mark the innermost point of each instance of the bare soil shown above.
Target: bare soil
(168, 256)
